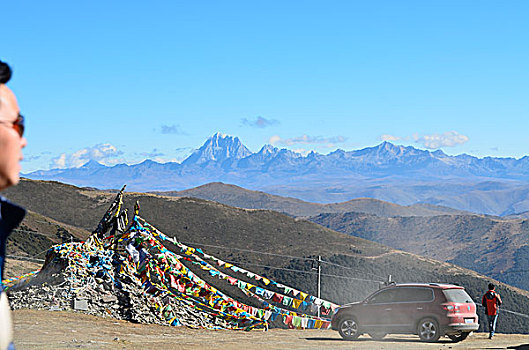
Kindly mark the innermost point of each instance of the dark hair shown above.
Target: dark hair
(491, 286)
(5, 72)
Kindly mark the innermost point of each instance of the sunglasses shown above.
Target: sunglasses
(18, 124)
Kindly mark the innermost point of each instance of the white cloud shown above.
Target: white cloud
(59, 162)
(172, 129)
(302, 151)
(274, 139)
(164, 160)
(447, 139)
(307, 140)
(152, 154)
(387, 137)
(259, 122)
(103, 153)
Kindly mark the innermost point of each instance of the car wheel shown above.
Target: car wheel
(428, 330)
(348, 328)
(377, 336)
(459, 336)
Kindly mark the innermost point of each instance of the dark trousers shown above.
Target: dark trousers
(492, 323)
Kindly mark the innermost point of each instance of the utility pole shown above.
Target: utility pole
(319, 281)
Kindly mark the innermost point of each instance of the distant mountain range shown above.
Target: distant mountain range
(398, 174)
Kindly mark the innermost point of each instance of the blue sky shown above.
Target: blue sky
(122, 81)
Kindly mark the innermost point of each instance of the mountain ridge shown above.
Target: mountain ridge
(237, 196)
(398, 174)
(221, 147)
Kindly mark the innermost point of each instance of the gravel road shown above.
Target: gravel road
(40, 329)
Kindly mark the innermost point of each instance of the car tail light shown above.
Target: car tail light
(451, 308)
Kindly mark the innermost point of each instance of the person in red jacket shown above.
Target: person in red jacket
(491, 301)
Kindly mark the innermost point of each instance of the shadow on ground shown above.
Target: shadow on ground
(386, 340)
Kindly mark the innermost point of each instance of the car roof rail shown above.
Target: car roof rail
(444, 284)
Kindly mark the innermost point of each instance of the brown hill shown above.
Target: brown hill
(240, 197)
(28, 244)
(493, 246)
(44, 232)
(269, 243)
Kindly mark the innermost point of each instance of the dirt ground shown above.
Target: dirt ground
(40, 329)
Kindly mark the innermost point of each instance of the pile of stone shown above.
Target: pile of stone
(69, 281)
(128, 274)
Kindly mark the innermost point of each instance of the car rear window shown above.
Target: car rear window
(457, 296)
(414, 294)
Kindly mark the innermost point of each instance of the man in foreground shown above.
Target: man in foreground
(491, 301)
(11, 144)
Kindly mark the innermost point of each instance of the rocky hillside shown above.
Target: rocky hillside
(490, 245)
(270, 243)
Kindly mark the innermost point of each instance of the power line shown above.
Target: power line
(282, 255)
(515, 313)
(28, 258)
(37, 233)
(217, 246)
(45, 222)
(507, 311)
(515, 271)
(33, 232)
(303, 271)
(249, 251)
(351, 268)
(259, 252)
(44, 251)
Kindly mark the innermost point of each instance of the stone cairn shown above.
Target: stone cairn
(100, 277)
(97, 289)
